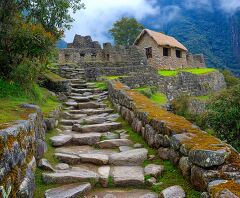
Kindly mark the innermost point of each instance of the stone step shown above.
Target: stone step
(69, 177)
(122, 193)
(94, 120)
(60, 140)
(94, 158)
(114, 143)
(72, 159)
(71, 103)
(86, 138)
(77, 159)
(90, 105)
(82, 98)
(68, 122)
(80, 85)
(67, 191)
(77, 80)
(127, 176)
(131, 157)
(85, 90)
(92, 111)
(104, 127)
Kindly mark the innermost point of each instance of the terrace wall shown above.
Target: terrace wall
(209, 164)
(21, 146)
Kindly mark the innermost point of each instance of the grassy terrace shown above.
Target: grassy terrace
(13, 95)
(197, 71)
(157, 97)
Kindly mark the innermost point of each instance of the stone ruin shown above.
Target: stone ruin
(84, 49)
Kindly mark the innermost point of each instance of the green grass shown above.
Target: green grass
(203, 98)
(198, 71)
(101, 85)
(159, 98)
(13, 95)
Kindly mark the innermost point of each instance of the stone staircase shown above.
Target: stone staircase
(94, 149)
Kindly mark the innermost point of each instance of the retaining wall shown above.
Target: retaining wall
(21, 146)
(209, 164)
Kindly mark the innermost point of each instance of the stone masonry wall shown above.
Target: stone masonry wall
(184, 83)
(21, 145)
(209, 164)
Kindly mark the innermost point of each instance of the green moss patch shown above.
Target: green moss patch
(197, 71)
(159, 98)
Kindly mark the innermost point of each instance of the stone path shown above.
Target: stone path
(93, 148)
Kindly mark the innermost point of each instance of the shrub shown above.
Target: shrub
(230, 79)
(27, 72)
(223, 115)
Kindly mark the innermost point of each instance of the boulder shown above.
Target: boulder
(173, 191)
(163, 153)
(67, 191)
(45, 165)
(132, 157)
(208, 158)
(201, 177)
(153, 170)
(185, 167)
(151, 181)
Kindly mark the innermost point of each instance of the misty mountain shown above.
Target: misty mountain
(203, 30)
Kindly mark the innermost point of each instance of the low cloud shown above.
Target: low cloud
(230, 6)
(99, 16)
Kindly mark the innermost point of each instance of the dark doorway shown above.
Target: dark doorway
(148, 52)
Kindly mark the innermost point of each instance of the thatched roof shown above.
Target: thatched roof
(161, 39)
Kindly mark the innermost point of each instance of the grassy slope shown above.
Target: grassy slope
(13, 95)
(198, 71)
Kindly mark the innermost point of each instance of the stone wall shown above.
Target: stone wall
(83, 49)
(21, 145)
(203, 159)
(171, 62)
(184, 83)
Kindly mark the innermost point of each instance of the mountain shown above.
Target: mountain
(61, 44)
(209, 31)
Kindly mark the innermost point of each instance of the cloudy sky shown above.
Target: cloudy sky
(99, 15)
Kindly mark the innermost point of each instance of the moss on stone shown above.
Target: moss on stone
(230, 185)
(173, 124)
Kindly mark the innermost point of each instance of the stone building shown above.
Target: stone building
(83, 50)
(165, 52)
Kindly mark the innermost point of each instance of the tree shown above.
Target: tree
(53, 15)
(29, 30)
(125, 31)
